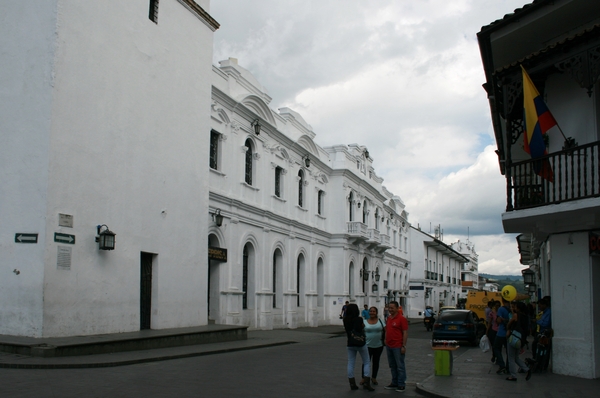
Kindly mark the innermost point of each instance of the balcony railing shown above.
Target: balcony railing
(575, 172)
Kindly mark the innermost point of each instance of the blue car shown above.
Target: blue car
(458, 325)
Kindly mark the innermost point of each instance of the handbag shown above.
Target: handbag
(382, 332)
(514, 340)
(358, 337)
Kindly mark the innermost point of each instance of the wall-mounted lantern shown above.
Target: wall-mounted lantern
(374, 288)
(256, 126)
(106, 238)
(306, 160)
(528, 276)
(375, 274)
(364, 273)
(217, 217)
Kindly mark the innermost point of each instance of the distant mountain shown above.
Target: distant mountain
(502, 280)
(503, 277)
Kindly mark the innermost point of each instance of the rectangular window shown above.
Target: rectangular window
(214, 150)
(278, 172)
(153, 11)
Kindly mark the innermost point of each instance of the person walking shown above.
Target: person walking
(502, 318)
(396, 335)
(343, 312)
(355, 331)
(375, 331)
(519, 323)
(492, 328)
(365, 312)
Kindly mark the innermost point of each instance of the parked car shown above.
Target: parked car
(453, 324)
(447, 307)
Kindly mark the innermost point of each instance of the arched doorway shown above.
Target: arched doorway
(248, 279)
(214, 276)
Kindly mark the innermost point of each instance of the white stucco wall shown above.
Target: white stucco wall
(125, 121)
(27, 53)
(572, 311)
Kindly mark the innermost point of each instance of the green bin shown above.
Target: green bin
(443, 362)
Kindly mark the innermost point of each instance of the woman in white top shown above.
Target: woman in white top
(374, 330)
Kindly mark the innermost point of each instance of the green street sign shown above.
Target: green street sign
(26, 238)
(64, 238)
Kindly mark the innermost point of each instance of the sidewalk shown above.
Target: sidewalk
(475, 376)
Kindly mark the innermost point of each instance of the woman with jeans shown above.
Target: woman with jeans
(353, 324)
(374, 329)
(519, 323)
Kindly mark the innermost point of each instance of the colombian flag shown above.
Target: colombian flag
(537, 121)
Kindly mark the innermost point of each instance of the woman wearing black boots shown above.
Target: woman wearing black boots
(355, 330)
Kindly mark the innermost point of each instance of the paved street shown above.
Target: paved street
(312, 368)
(314, 365)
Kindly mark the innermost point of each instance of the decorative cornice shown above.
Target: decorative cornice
(200, 13)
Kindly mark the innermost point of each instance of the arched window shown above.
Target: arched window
(245, 277)
(365, 271)
(300, 188)
(365, 212)
(300, 280)
(351, 280)
(248, 163)
(351, 207)
(377, 218)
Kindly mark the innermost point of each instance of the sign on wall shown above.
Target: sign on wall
(217, 254)
(26, 238)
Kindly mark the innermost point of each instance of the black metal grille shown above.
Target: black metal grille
(248, 170)
(214, 150)
(575, 171)
(153, 11)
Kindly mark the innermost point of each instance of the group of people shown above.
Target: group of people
(367, 336)
(515, 318)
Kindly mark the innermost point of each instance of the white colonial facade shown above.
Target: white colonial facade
(305, 228)
(469, 271)
(435, 278)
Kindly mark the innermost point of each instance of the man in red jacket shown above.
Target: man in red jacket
(396, 335)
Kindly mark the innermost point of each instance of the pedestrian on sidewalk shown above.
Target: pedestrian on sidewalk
(502, 318)
(518, 323)
(355, 331)
(492, 328)
(396, 335)
(375, 331)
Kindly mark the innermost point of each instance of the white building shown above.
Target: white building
(558, 217)
(105, 107)
(435, 278)
(305, 228)
(469, 271)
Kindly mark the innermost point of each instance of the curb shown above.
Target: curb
(135, 361)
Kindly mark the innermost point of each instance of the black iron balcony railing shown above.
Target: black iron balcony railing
(575, 175)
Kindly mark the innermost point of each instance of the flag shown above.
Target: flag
(537, 121)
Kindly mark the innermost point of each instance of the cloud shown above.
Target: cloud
(403, 78)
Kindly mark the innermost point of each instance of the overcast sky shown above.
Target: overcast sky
(402, 77)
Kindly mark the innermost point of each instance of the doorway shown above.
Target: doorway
(145, 290)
